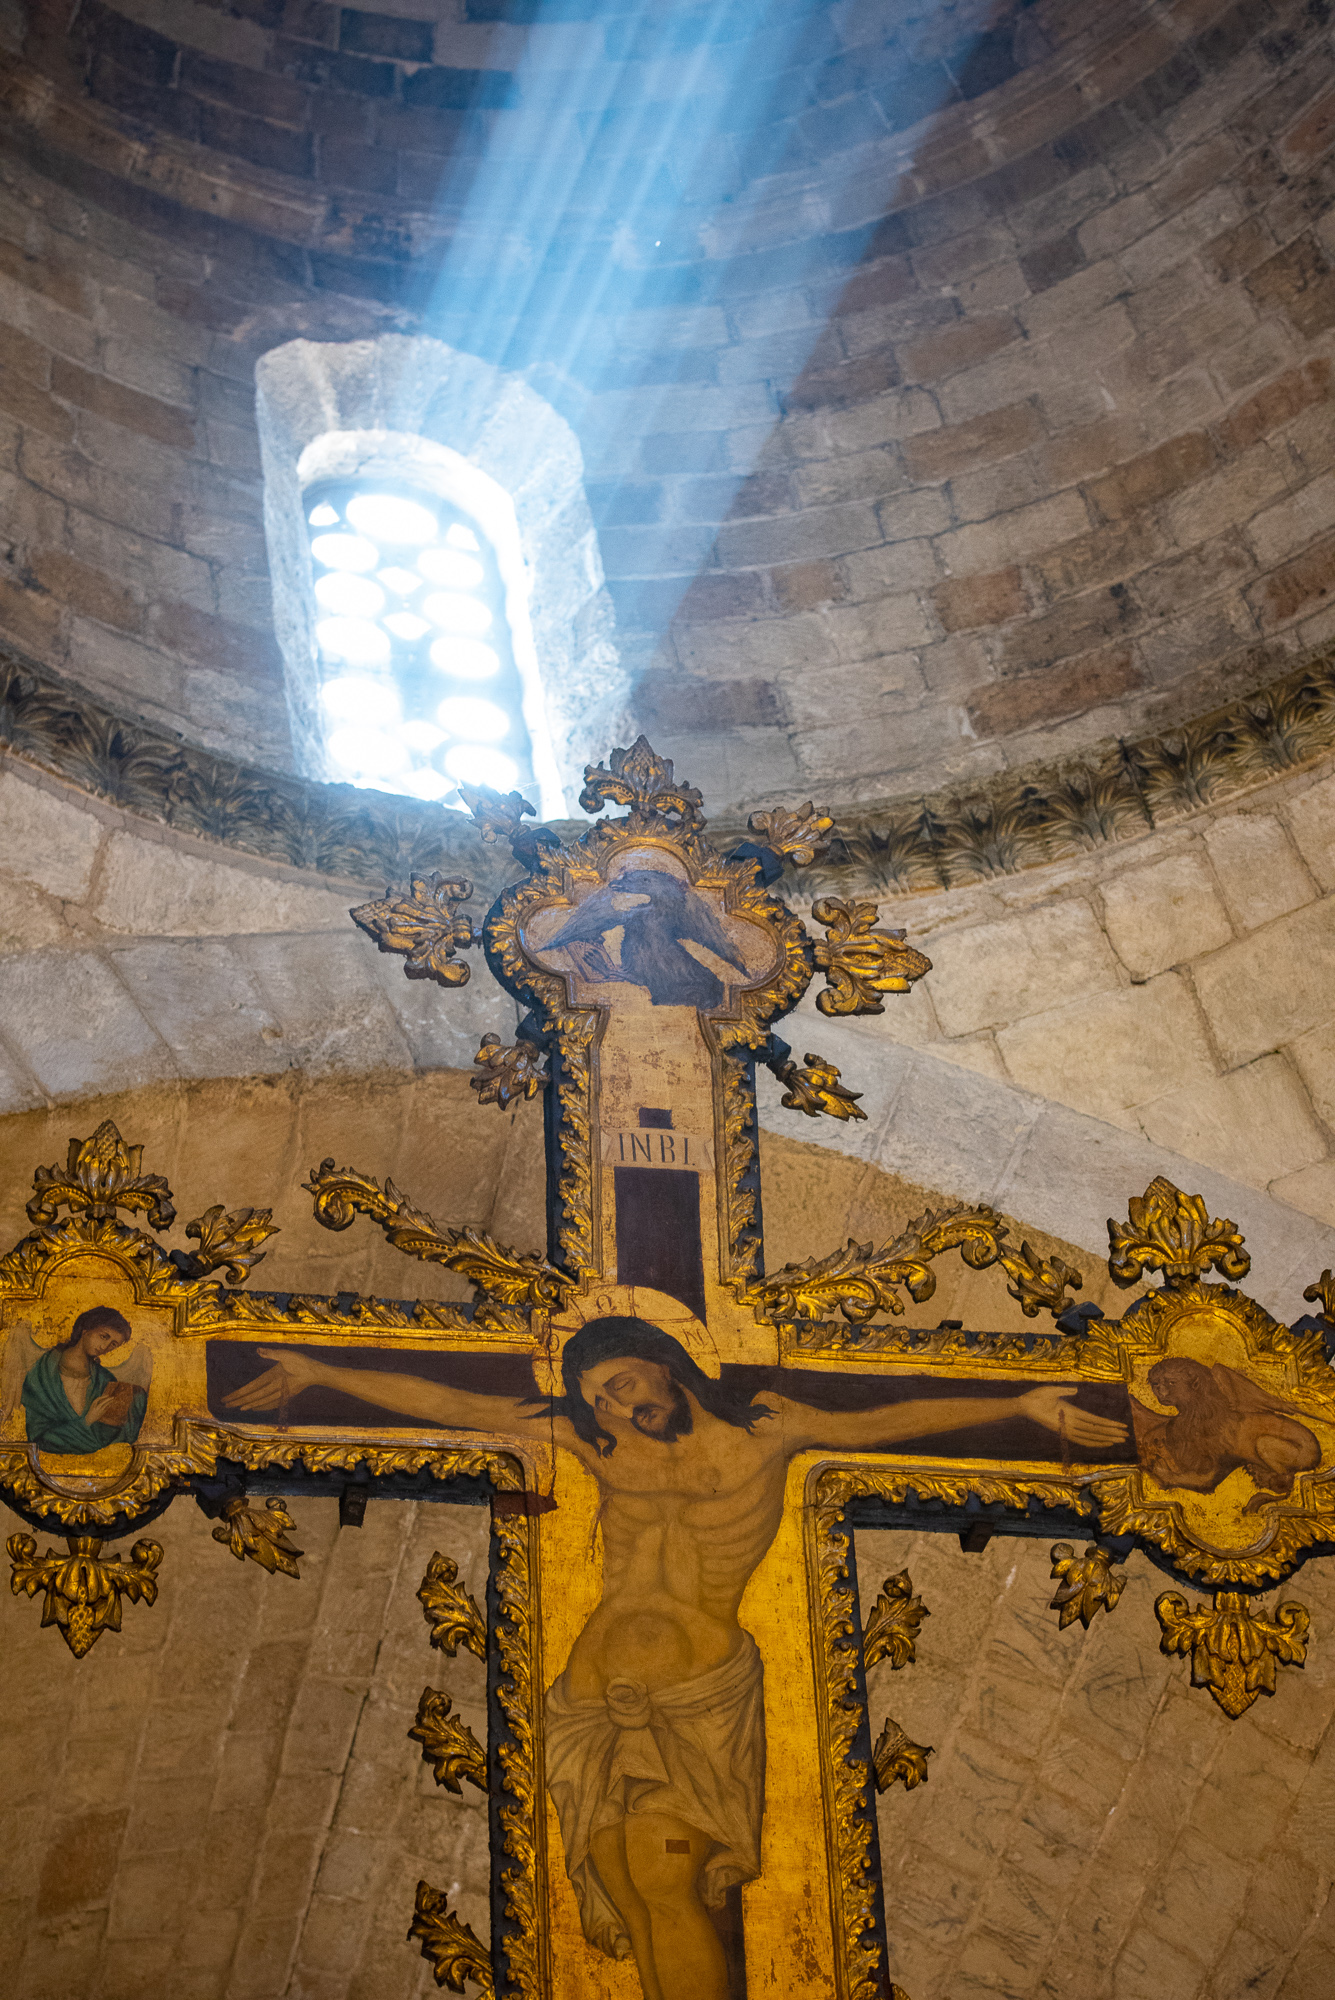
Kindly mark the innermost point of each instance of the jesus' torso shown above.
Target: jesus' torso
(684, 1526)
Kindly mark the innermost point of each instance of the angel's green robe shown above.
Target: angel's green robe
(52, 1422)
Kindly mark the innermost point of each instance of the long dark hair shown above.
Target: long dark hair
(620, 1337)
(90, 1321)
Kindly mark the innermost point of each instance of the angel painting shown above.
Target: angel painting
(658, 915)
(72, 1401)
(1221, 1421)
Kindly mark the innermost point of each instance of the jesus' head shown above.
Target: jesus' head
(623, 1370)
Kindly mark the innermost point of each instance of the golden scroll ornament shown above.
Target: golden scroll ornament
(455, 1951)
(897, 1760)
(891, 1631)
(424, 926)
(510, 1072)
(859, 961)
(815, 1088)
(259, 1534)
(1084, 1583)
(448, 1744)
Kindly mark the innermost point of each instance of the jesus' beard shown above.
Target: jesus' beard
(677, 1424)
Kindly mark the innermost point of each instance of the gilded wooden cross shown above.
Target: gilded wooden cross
(676, 1445)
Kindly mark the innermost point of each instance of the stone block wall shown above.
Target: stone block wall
(1175, 987)
(1178, 987)
(1091, 1825)
(223, 1800)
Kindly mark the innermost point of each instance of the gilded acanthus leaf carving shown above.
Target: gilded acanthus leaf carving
(1172, 1232)
(896, 1759)
(454, 1949)
(450, 1610)
(1038, 1283)
(227, 1243)
(1086, 1582)
(860, 1282)
(859, 961)
(499, 815)
(816, 1088)
(641, 779)
(424, 926)
(99, 1176)
(260, 1533)
(891, 1632)
(1234, 1650)
(502, 1278)
(502, 818)
(509, 1073)
(83, 1592)
(798, 836)
(448, 1744)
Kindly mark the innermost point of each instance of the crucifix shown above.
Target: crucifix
(676, 1445)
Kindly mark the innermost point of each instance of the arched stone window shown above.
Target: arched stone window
(438, 592)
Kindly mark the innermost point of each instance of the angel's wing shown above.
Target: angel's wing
(21, 1351)
(137, 1366)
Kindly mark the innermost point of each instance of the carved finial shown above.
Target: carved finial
(83, 1593)
(860, 962)
(897, 1759)
(1323, 1289)
(891, 1633)
(1234, 1650)
(448, 1744)
(452, 1946)
(260, 1534)
(1087, 1582)
(516, 1071)
(99, 1176)
(795, 836)
(817, 1088)
(641, 779)
(424, 926)
(227, 1243)
(1172, 1232)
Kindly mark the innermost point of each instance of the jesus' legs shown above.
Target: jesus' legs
(650, 1866)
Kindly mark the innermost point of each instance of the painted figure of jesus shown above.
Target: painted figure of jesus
(655, 1729)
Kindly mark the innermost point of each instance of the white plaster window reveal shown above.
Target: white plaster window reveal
(438, 593)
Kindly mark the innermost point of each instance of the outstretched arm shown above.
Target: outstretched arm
(407, 1395)
(1052, 1406)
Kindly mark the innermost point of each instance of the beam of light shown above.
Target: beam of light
(611, 211)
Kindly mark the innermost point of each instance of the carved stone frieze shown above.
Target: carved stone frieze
(1015, 820)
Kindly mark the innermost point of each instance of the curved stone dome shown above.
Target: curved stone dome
(952, 383)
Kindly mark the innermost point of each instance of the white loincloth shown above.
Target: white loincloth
(695, 1751)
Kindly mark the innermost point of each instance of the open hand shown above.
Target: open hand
(290, 1374)
(1054, 1407)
